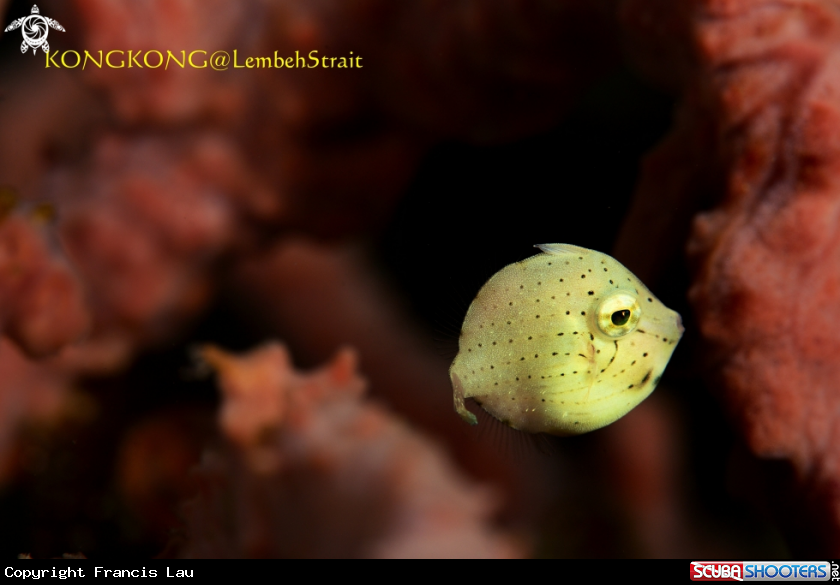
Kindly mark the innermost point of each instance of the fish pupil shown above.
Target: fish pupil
(620, 318)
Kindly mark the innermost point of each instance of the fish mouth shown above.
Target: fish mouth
(666, 327)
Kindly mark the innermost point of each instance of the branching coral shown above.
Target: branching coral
(312, 469)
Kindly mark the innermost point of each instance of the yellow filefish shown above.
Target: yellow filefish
(564, 342)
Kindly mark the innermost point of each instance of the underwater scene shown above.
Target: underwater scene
(420, 279)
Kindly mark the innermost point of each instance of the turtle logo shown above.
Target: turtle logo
(35, 29)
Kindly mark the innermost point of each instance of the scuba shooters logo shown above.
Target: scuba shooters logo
(35, 29)
(791, 571)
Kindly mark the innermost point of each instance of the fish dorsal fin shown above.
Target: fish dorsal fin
(562, 249)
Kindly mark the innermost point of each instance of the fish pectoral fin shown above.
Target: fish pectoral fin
(561, 249)
(458, 398)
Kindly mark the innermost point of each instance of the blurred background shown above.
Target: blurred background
(150, 216)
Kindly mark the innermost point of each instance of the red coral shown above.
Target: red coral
(43, 308)
(144, 224)
(765, 119)
(164, 96)
(314, 470)
(29, 393)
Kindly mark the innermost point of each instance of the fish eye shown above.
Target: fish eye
(618, 314)
(619, 318)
